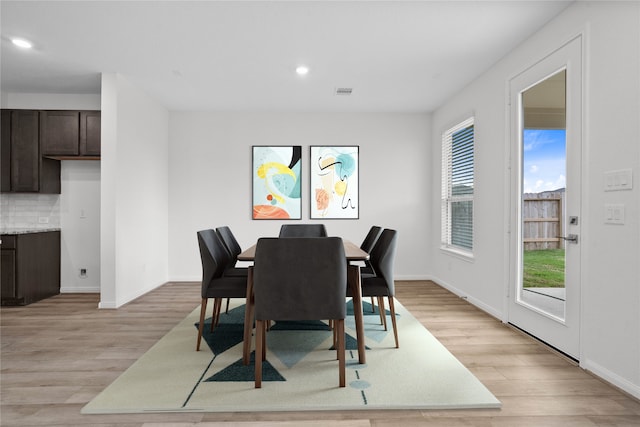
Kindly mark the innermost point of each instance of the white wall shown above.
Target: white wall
(80, 225)
(210, 178)
(50, 101)
(134, 208)
(610, 310)
(80, 191)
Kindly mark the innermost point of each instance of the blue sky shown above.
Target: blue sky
(544, 160)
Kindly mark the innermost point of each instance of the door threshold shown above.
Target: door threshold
(556, 350)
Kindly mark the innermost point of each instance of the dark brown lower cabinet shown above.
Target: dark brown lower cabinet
(30, 269)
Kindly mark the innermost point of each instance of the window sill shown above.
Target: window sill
(458, 253)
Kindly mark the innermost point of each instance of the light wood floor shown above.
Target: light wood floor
(59, 353)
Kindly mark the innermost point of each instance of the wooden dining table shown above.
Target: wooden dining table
(352, 253)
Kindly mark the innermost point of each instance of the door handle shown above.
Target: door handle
(573, 238)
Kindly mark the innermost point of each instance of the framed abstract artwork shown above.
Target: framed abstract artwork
(334, 182)
(276, 182)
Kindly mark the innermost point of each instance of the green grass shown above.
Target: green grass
(544, 268)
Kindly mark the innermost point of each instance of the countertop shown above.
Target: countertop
(26, 230)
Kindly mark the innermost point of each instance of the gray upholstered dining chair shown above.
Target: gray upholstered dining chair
(367, 245)
(313, 290)
(215, 258)
(303, 230)
(230, 241)
(381, 284)
(234, 249)
(371, 238)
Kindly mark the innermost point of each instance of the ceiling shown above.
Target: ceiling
(398, 56)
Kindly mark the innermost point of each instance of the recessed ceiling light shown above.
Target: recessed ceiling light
(302, 70)
(24, 44)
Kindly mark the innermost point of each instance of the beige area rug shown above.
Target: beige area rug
(301, 373)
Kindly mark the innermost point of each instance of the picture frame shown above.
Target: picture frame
(334, 182)
(276, 182)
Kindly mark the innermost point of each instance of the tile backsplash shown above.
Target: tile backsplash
(34, 211)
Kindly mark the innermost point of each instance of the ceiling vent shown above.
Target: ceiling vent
(344, 91)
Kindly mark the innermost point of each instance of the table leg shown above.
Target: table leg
(248, 319)
(353, 278)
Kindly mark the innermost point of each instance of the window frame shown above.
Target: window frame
(448, 199)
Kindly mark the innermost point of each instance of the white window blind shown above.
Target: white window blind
(457, 186)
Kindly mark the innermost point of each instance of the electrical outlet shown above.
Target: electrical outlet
(43, 220)
(83, 273)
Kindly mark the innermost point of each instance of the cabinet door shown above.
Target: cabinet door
(25, 156)
(90, 133)
(5, 156)
(8, 274)
(60, 133)
(37, 266)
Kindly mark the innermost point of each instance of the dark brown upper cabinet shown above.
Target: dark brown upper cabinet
(60, 133)
(24, 151)
(5, 158)
(70, 134)
(24, 170)
(90, 133)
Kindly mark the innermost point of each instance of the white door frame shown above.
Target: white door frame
(563, 335)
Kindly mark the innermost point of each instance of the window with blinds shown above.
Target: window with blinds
(457, 186)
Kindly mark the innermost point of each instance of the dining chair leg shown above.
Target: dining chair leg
(248, 319)
(393, 320)
(373, 306)
(260, 332)
(332, 326)
(383, 312)
(214, 313)
(353, 281)
(203, 309)
(265, 329)
(218, 311)
(341, 351)
(227, 309)
(334, 336)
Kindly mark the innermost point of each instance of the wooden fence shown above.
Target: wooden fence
(543, 220)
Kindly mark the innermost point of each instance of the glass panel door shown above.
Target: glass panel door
(544, 168)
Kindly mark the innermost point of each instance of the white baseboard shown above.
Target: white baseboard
(128, 298)
(413, 277)
(140, 292)
(186, 279)
(107, 305)
(482, 306)
(79, 290)
(611, 378)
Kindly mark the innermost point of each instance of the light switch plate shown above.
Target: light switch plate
(618, 180)
(614, 214)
